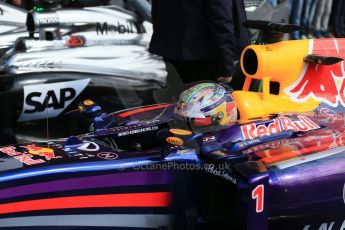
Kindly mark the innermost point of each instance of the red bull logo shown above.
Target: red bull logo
(278, 125)
(47, 153)
(323, 83)
(22, 157)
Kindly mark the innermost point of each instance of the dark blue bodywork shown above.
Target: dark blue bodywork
(232, 178)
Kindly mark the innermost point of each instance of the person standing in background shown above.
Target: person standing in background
(83, 3)
(307, 18)
(274, 3)
(30, 4)
(339, 18)
(322, 17)
(201, 38)
(18, 3)
(296, 7)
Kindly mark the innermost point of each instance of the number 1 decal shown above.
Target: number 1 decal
(258, 195)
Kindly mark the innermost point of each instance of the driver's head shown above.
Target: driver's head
(206, 105)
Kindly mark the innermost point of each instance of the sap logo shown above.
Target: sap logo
(50, 100)
(278, 125)
(113, 29)
(49, 21)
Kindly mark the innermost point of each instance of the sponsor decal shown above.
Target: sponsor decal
(278, 125)
(208, 138)
(80, 155)
(136, 131)
(83, 156)
(50, 100)
(108, 155)
(51, 21)
(147, 122)
(330, 114)
(82, 151)
(221, 173)
(249, 143)
(76, 40)
(174, 141)
(320, 82)
(185, 151)
(47, 153)
(111, 29)
(88, 102)
(202, 121)
(220, 154)
(22, 157)
(326, 226)
(89, 147)
(258, 196)
(180, 132)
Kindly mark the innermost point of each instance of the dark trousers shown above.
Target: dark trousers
(193, 71)
(339, 18)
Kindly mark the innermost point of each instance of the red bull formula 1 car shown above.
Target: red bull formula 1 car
(215, 160)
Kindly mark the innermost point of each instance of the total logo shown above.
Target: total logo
(278, 125)
(50, 100)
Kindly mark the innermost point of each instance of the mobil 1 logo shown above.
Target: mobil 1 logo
(50, 100)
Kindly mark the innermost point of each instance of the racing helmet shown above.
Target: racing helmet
(205, 105)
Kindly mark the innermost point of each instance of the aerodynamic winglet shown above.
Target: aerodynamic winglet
(322, 60)
(271, 26)
(271, 32)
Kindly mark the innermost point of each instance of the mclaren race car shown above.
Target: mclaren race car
(218, 159)
(12, 26)
(92, 50)
(74, 54)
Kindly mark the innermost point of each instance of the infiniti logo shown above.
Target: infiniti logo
(89, 147)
